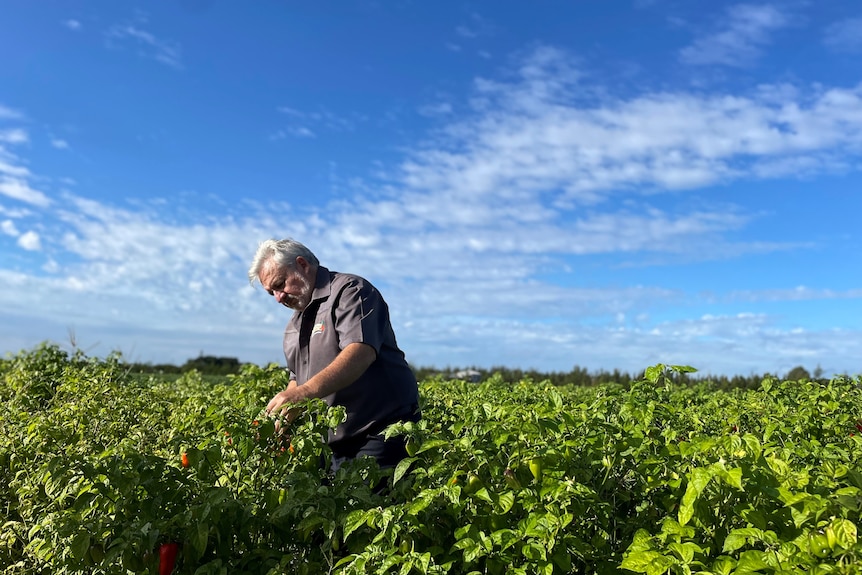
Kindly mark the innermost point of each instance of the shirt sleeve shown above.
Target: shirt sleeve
(360, 315)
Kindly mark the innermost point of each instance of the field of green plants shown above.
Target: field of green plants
(102, 471)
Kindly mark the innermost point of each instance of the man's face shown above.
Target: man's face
(290, 287)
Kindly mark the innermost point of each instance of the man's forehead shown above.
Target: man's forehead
(270, 265)
(270, 270)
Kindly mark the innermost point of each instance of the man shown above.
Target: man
(339, 346)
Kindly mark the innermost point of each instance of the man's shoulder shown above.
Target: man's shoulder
(343, 279)
(334, 279)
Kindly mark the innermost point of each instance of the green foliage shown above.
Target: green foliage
(661, 475)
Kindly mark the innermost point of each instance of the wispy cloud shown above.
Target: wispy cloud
(72, 24)
(15, 177)
(7, 113)
(19, 189)
(741, 35)
(844, 36)
(13, 136)
(436, 110)
(304, 124)
(145, 44)
(293, 131)
(8, 228)
(536, 139)
(467, 233)
(476, 26)
(799, 293)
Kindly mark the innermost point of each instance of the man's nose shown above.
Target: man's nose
(280, 296)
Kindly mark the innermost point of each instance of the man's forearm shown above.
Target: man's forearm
(346, 368)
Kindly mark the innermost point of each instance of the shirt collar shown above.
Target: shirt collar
(322, 285)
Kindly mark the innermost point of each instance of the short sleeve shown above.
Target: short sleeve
(360, 315)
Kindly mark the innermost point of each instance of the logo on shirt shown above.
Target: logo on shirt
(318, 328)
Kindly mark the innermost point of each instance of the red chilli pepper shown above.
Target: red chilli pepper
(168, 557)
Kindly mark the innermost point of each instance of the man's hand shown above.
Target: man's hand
(280, 406)
(279, 401)
(344, 370)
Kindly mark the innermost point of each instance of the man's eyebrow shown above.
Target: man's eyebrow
(277, 284)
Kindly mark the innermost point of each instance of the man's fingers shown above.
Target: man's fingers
(274, 404)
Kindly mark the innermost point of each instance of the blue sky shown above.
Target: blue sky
(530, 184)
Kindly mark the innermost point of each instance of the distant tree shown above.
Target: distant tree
(798, 373)
(211, 365)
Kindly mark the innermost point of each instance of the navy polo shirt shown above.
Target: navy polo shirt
(347, 309)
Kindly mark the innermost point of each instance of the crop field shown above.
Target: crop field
(105, 472)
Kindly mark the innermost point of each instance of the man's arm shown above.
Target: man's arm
(344, 370)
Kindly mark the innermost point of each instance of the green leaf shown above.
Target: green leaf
(732, 542)
(650, 562)
(654, 372)
(685, 551)
(844, 533)
(419, 505)
(778, 466)
(432, 444)
(402, 468)
(698, 479)
(753, 445)
(471, 549)
(733, 477)
(80, 545)
(751, 562)
(682, 368)
(555, 398)
(739, 537)
(483, 494)
(505, 538)
(353, 521)
(505, 501)
(671, 527)
(198, 539)
(534, 551)
(723, 565)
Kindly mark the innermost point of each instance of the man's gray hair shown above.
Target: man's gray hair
(282, 252)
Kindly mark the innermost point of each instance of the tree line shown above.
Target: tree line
(581, 376)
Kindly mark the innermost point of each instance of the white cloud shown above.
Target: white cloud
(14, 176)
(9, 168)
(844, 36)
(19, 189)
(60, 144)
(8, 228)
(301, 132)
(72, 24)
(476, 27)
(13, 136)
(533, 140)
(30, 241)
(740, 38)
(147, 44)
(308, 124)
(466, 235)
(730, 344)
(16, 212)
(436, 109)
(7, 113)
(799, 293)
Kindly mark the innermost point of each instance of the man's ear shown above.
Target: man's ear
(302, 264)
